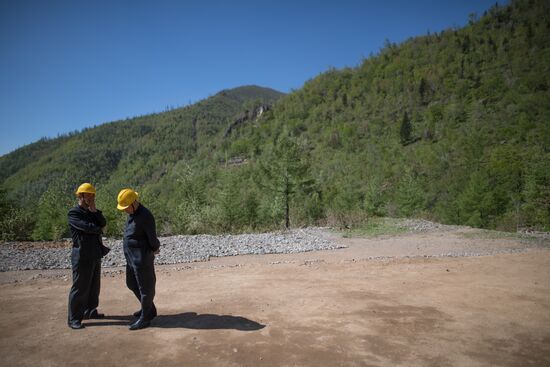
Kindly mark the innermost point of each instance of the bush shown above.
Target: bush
(374, 201)
(17, 224)
(53, 206)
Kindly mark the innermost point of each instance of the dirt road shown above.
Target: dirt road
(330, 308)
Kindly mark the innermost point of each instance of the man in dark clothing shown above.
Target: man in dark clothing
(86, 224)
(140, 246)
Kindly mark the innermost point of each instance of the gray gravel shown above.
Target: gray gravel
(447, 241)
(422, 225)
(175, 249)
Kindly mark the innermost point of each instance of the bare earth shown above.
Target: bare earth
(366, 305)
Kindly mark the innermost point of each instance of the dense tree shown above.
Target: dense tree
(51, 211)
(15, 223)
(537, 193)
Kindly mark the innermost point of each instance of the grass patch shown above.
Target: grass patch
(375, 227)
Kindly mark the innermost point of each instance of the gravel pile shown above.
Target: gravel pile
(535, 234)
(421, 225)
(174, 249)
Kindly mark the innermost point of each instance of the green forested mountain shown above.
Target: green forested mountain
(452, 126)
(137, 152)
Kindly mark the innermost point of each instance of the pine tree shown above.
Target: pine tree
(476, 202)
(406, 129)
(422, 90)
(285, 170)
(409, 196)
(374, 199)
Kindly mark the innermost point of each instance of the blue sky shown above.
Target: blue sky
(66, 65)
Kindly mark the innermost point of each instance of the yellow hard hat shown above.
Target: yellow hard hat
(87, 188)
(126, 197)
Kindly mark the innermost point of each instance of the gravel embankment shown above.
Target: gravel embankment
(174, 249)
(421, 225)
(457, 241)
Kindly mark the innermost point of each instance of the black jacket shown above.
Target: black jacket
(86, 229)
(140, 238)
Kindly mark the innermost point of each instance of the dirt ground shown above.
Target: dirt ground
(347, 307)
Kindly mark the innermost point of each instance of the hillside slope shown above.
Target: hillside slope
(145, 144)
(453, 126)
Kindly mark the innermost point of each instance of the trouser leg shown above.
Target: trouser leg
(146, 280)
(80, 290)
(131, 281)
(95, 285)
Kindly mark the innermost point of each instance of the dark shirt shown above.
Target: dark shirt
(86, 229)
(140, 238)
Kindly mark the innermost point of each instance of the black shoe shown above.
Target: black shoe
(93, 315)
(76, 325)
(139, 324)
(96, 315)
(152, 316)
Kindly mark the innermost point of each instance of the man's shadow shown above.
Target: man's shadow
(188, 320)
(191, 320)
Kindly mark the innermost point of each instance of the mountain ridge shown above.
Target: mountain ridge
(141, 126)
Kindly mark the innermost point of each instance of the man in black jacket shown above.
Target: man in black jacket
(140, 246)
(86, 223)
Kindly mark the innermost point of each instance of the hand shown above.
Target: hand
(91, 205)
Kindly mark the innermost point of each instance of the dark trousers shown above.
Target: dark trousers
(142, 281)
(84, 293)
